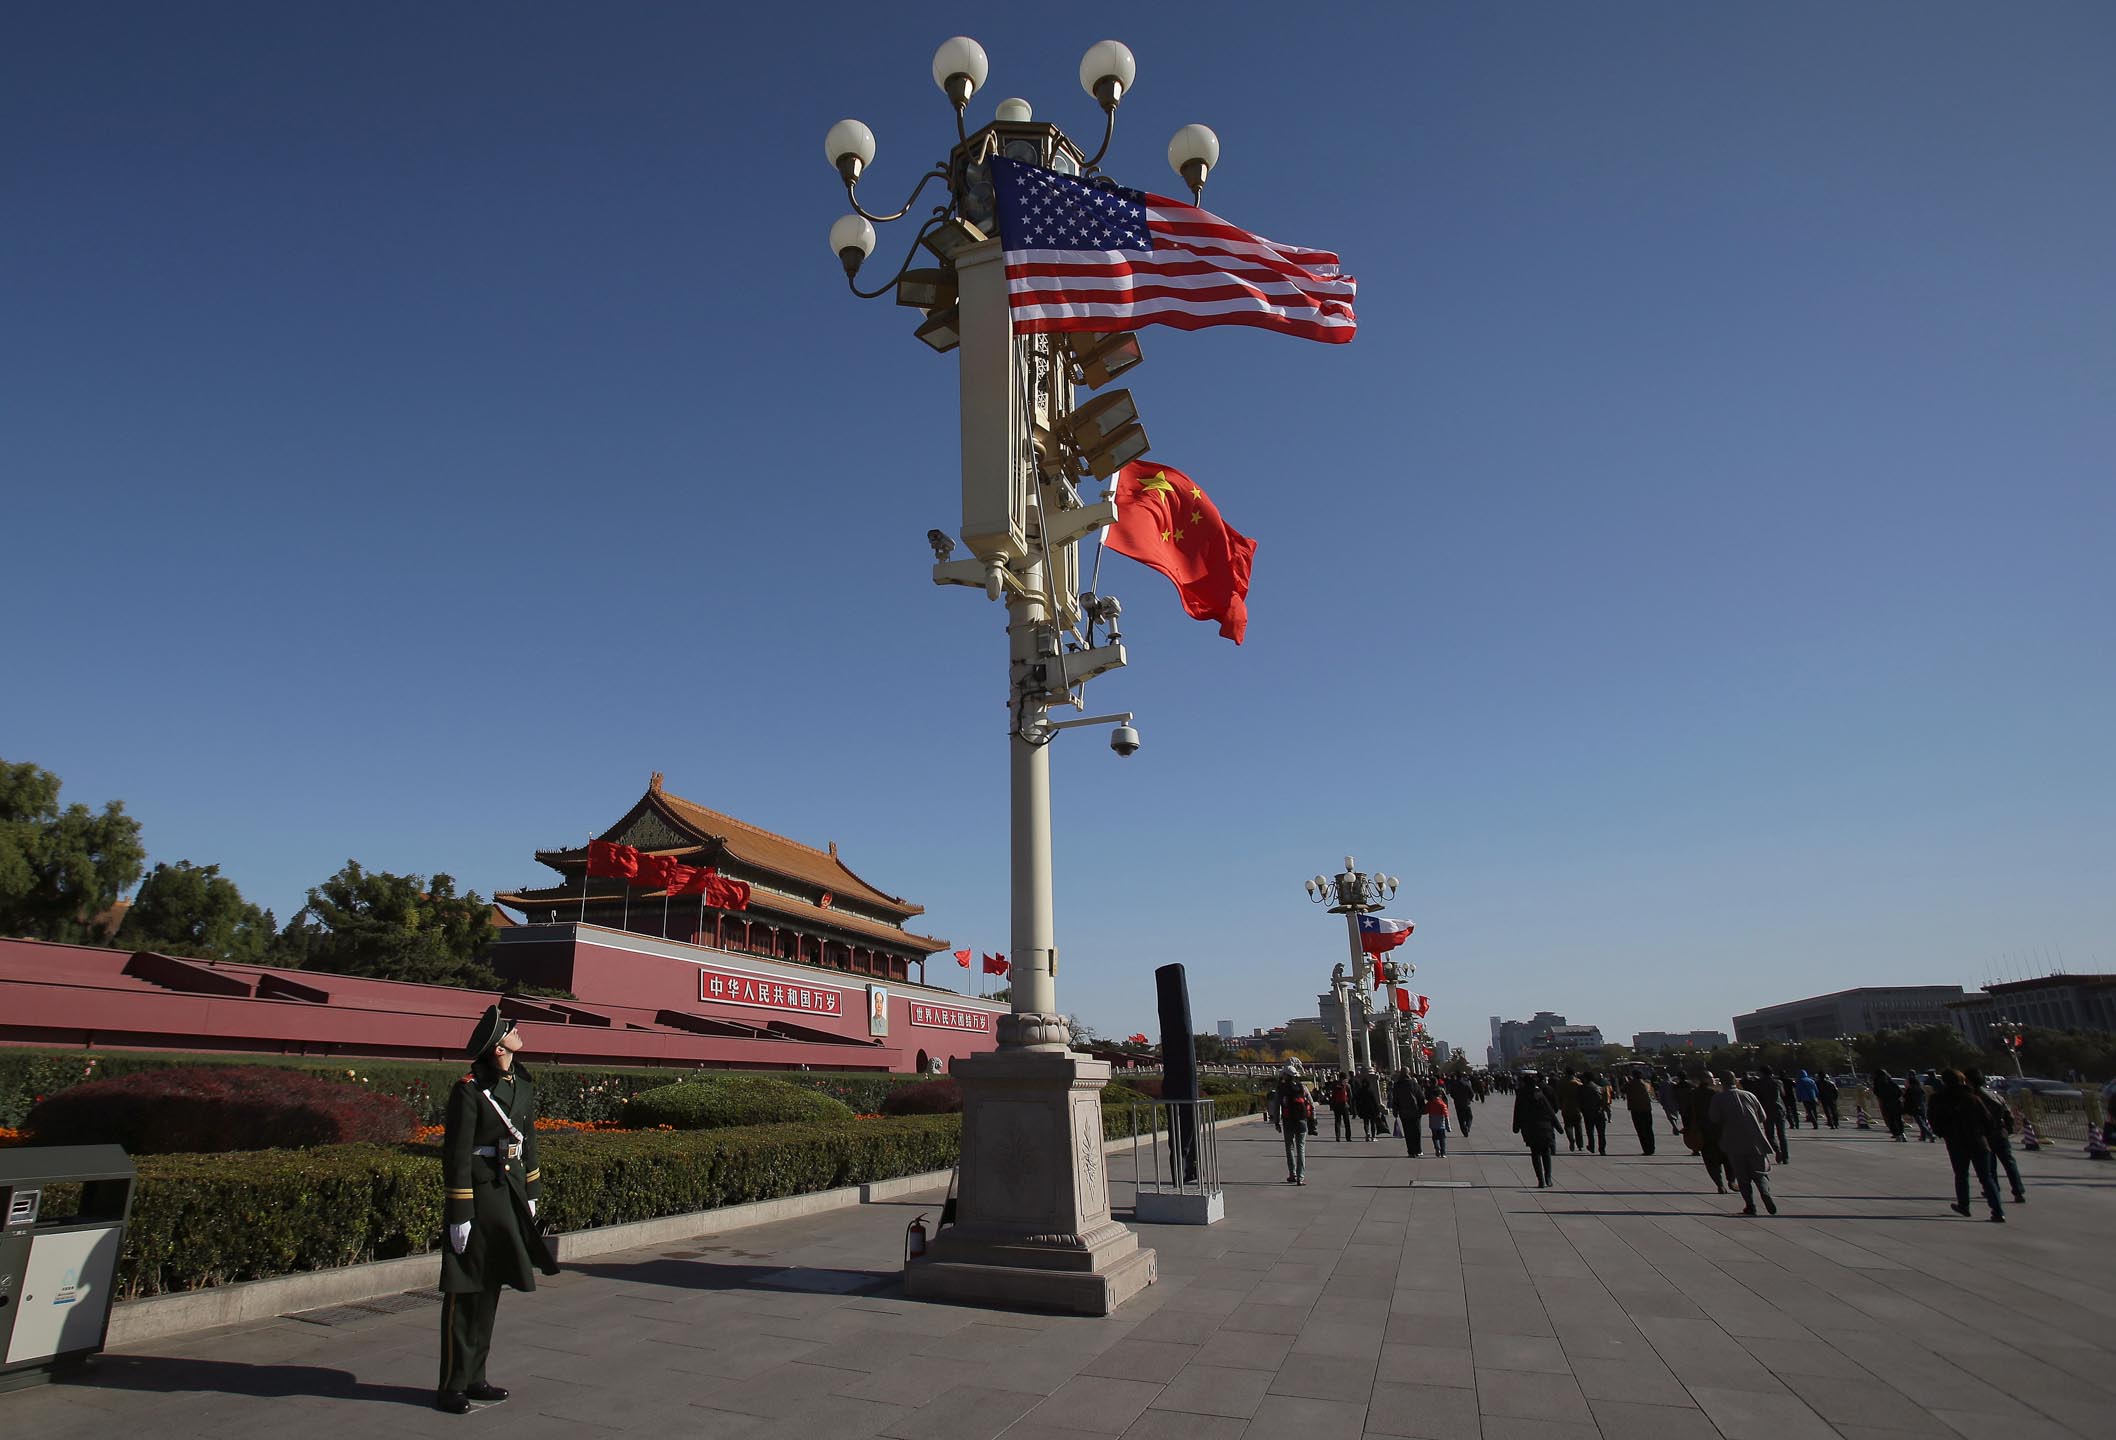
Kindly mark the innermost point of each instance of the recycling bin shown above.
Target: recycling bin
(58, 1256)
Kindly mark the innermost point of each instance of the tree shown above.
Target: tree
(186, 909)
(1212, 1050)
(1083, 1034)
(391, 927)
(60, 869)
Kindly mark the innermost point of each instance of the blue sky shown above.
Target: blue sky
(417, 425)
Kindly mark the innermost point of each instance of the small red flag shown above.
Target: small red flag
(1380, 978)
(996, 965)
(1165, 521)
(1424, 1004)
(1138, 1040)
(693, 879)
(962, 958)
(612, 862)
(1403, 1000)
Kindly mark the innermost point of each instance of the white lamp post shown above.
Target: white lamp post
(1353, 893)
(1033, 1213)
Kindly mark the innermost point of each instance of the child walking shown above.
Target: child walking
(1436, 1121)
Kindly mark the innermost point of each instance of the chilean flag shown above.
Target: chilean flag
(1378, 936)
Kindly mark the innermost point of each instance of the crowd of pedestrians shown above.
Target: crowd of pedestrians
(1739, 1126)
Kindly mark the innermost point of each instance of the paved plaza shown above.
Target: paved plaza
(1626, 1302)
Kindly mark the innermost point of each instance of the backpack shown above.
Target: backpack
(1300, 1107)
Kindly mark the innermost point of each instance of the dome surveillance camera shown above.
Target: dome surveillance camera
(1124, 740)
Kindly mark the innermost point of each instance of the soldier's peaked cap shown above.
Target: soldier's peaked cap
(490, 1027)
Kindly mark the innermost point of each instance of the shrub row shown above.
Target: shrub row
(198, 1109)
(213, 1220)
(562, 1092)
(718, 1101)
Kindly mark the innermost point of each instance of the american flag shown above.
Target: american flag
(1096, 257)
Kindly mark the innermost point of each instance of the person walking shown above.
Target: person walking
(1809, 1094)
(1826, 1092)
(1271, 1100)
(1436, 1121)
(2002, 1137)
(1889, 1096)
(1366, 1099)
(1638, 1099)
(1340, 1097)
(1917, 1104)
(1967, 1129)
(1296, 1109)
(1701, 1132)
(1536, 1122)
(1464, 1093)
(1408, 1101)
(491, 1183)
(1568, 1097)
(1594, 1113)
(1745, 1141)
(1770, 1095)
(1670, 1090)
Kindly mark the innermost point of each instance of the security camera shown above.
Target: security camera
(1124, 740)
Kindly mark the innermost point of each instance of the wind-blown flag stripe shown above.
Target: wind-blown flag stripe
(1096, 257)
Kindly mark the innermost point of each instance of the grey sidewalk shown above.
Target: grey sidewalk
(1627, 1302)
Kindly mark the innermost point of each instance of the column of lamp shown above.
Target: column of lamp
(1353, 893)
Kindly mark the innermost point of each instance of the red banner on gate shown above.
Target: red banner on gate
(728, 987)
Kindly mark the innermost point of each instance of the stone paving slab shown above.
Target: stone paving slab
(1426, 1299)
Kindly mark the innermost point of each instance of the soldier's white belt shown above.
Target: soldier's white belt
(499, 1152)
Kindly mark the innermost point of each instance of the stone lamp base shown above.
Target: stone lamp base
(1033, 1227)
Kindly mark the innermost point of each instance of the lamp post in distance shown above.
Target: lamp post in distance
(1353, 893)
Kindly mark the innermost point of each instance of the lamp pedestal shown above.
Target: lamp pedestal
(1033, 1226)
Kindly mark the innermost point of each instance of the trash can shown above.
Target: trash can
(58, 1261)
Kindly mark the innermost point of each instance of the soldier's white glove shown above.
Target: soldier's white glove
(459, 1236)
(532, 1209)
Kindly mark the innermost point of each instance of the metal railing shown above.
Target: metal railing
(1181, 1142)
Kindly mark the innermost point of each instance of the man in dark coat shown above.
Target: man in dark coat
(1536, 1122)
(1889, 1096)
(492, 1181)
(1826, 1092)
(1971, 1135)
(1408, 1101)
(1464, 1093)
(1638, 1099)
(1771, 1096)
(1594, 1112)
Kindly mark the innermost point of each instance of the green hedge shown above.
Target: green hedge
(714, 1102)
(210, 1220)
(563, 1092)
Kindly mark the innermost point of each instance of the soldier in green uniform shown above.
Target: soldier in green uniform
(488, 1164)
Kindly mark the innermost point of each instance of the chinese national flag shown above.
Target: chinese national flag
(1380, 979)
(1424, 1004)
(656, 872)
(612, 862)
(962, 958)
(692, 879)
(725, 893)
(1403, 1000)
(996, 965)
(1165, 520)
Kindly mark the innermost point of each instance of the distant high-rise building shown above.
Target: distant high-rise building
(1512, 1038)
(1226, 1030)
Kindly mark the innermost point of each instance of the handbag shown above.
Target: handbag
(1396, 1128)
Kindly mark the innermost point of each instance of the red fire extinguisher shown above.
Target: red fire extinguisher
(915, 1239)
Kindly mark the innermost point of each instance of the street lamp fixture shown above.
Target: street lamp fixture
(1192, 154)
(1031, 442)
